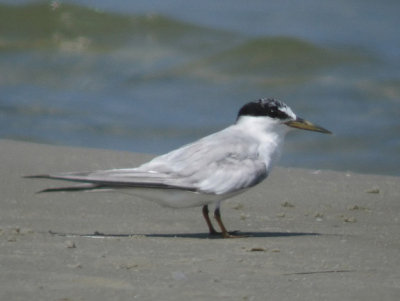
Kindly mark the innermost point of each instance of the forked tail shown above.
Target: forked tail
(78, 187)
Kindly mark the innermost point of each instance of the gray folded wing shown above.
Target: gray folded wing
(114, 178)
(217, 164)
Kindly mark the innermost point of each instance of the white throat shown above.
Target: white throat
(269, 133)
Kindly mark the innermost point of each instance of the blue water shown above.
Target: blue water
(149, 76)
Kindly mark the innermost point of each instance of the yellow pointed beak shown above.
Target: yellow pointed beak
(302, 124)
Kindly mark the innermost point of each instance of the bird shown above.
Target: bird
(208, 171)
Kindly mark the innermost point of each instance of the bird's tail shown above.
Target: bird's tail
(78, 187)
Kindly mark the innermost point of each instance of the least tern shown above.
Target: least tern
(208, 171)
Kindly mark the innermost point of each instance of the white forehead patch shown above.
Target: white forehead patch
(288, 111)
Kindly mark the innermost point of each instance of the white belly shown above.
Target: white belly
(177, 198)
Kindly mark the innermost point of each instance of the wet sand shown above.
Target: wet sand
(313, 235)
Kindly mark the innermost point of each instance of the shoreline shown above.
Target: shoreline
(314, 234)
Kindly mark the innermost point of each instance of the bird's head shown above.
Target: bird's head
(274, 112)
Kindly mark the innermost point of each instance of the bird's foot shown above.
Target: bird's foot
(231, 234)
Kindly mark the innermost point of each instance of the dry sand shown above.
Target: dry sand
(314, 235)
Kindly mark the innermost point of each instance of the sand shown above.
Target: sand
(313, 235)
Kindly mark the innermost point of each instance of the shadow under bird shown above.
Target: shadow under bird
(207, 171)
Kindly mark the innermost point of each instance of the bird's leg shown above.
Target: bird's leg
(224, 232)
(208, 221)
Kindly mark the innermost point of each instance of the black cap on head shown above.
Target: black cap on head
(265, 107)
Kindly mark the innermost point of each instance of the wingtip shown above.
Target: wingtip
(56, 189)
(36, 176)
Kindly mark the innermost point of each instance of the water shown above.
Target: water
(149, 76)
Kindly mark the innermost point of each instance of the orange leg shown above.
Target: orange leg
(208, 221)
(224, 232)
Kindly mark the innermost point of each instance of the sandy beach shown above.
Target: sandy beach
(313, 235)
